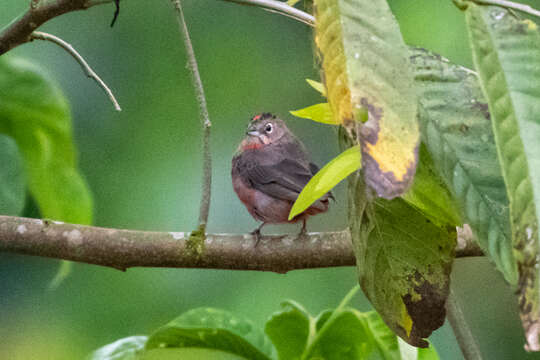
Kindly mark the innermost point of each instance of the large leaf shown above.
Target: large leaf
(212, 329)
(349, 334)
(403, 261)
(326, 178)
(506, 52)
(370, 88)
(289, 330)
(430, 195)
(124, 349)
(12, 180)
(34, 112)
(456, 129)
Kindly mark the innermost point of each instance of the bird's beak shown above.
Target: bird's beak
(252, 132)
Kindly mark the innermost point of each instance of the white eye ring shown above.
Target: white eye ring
(268, 128)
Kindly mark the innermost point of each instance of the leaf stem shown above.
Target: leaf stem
(203, 113)
(511, 5)
(38, 35)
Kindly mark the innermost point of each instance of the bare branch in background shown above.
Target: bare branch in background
(280, 8)
(203, 113)
(37, 35)
(122, 249)
(511, 5)
(464, 336)
(19, 31)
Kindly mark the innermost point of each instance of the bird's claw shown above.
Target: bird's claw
(303, 232)
(257, 235)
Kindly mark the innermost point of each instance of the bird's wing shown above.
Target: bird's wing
(282, 180)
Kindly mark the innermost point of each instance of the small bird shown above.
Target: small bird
(269, 170)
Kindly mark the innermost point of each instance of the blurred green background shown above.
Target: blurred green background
(144, 168)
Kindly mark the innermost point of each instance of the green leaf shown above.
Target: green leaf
(457, 131)
(325, 179)
(430, 195)
(317, 86)
(213, 329)
(385, 339)
(124, 349)
(370, 88)
(318, 112)
(12, 180)
(35, 113)
(188, 354)
(506, 53)
(289, 330)
(403, 261)
(345, 336)
(408, 352)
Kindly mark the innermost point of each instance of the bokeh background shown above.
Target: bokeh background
(143, 166)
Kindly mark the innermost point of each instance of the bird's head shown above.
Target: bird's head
(264, 129)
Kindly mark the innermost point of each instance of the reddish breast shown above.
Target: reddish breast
(250, 144)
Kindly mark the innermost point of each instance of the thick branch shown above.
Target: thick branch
(40, 11)
(122, 249)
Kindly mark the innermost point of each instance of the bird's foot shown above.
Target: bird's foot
(257, 235)
(303, 234)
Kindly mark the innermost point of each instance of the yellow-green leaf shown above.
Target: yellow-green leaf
(318, 112)
(317, 86)
(328, 177)
(370, 88)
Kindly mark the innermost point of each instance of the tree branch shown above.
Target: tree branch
(84, 65)
(464, 336)
(203, 114)
(511, 5)
(280, 8)
(19, 31)
(40, 11)
(122, 249)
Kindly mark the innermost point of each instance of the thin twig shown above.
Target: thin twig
(511, 5)
(38, 35)
(122, 249)
(203, 113)
(463, 333)
(280, 8)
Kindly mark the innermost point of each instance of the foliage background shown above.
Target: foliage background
(144, 168)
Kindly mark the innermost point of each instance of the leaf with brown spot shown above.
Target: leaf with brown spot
(370, 88)
(404, 262)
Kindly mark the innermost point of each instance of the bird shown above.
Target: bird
(269, 170)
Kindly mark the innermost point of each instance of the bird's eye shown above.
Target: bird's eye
(268, 128)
